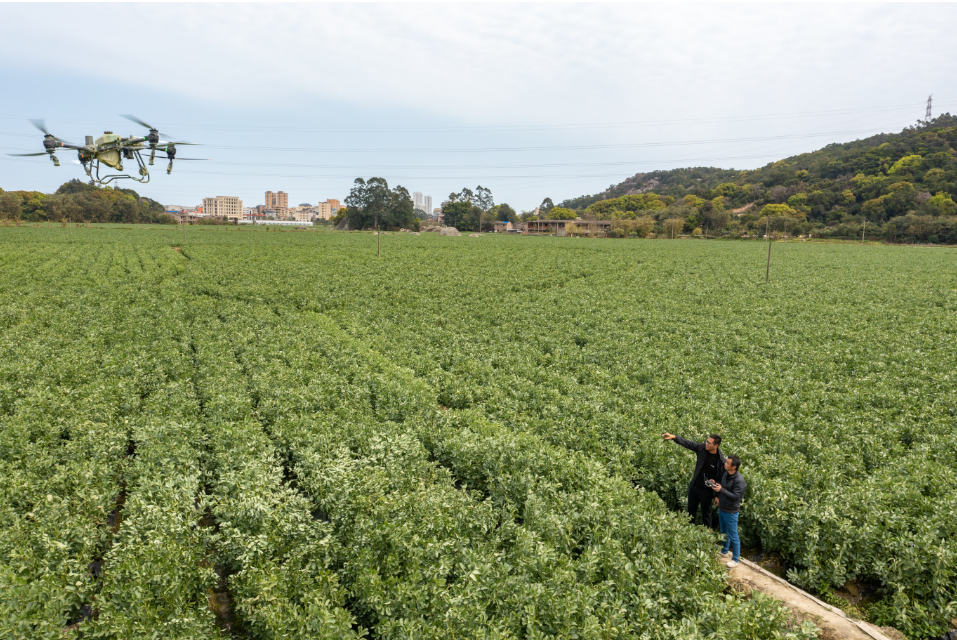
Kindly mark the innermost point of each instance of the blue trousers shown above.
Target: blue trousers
(728, 523)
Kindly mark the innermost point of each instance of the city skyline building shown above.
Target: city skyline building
(229, 207)
(278, 202)
(422, 202)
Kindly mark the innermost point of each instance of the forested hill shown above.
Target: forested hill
(81, 202)
(880, 177)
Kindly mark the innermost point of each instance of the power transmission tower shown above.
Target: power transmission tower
(927, 115)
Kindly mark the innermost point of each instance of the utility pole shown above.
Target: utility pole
(862, 231)
(378, 238)
(767, 274)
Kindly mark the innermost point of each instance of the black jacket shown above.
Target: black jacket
(698, 447)
(732, 491)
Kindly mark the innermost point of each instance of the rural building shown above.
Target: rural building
(557, 227)
(500, 226)
(183, 216)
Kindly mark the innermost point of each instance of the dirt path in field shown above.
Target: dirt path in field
(834, 624)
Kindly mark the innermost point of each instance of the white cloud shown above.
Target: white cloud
(501, 62)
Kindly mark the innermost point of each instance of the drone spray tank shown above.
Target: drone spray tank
(109, 157)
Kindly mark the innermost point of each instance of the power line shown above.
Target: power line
(584, 147)
(637, 145)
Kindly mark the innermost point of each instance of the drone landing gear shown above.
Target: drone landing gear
(143, 171)
(56, 161)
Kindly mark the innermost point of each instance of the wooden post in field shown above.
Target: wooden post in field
(767, 274)
(862, 231)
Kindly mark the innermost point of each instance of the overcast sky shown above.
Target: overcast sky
(528, 100)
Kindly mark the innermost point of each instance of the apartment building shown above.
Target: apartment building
(228, 207)
(278, 202)
(327, 209)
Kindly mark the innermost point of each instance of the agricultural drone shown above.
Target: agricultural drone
(110, 150)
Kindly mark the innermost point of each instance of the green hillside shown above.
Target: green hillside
(903, 185)
(78, 201)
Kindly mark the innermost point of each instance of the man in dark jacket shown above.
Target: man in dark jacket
(709, 466)
(729, 493)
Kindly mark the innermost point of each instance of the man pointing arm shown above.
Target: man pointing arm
(708, 466)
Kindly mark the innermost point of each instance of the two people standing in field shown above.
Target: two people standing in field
(715, 478)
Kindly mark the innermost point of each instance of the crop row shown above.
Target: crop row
(156, 576)
(66, 400)
(274, 552)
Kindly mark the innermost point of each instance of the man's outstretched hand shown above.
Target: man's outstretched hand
(667, 436)
(716, 487)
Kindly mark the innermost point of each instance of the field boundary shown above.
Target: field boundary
(868, 629)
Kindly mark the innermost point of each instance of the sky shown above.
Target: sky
(528, 100)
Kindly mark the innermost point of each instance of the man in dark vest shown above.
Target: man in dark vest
(709, 466)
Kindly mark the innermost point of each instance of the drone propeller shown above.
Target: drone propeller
(24, 155)
(42, 126)
(138, 121)
(162, 144)
(177, 158)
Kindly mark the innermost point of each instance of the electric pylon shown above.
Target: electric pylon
(927, 115)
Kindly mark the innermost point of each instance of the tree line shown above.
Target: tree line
(372, 205)
(77, 201)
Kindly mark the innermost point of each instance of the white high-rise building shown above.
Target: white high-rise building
(427, 205)
(417, 200)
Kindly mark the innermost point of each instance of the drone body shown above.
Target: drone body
(110, 150)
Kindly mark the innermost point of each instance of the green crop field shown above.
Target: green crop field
(280, 435)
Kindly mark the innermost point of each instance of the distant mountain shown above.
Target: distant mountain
(880, 178)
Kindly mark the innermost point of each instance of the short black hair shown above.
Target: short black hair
(735, 461)
(716, 438)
